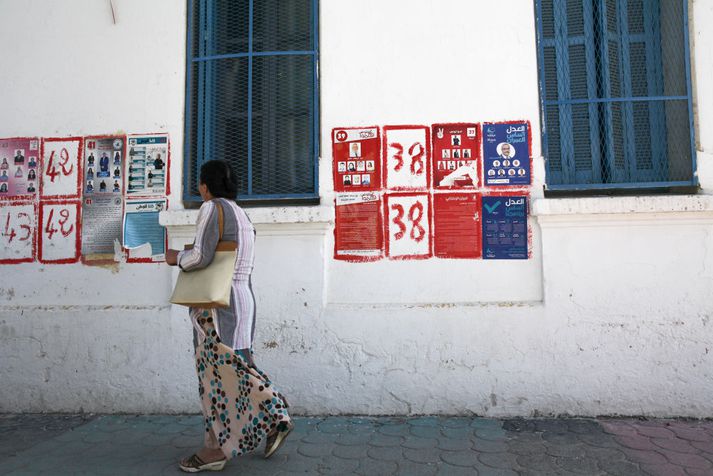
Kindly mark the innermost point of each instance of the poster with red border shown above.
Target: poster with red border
(356, 158)
(19, 168)
(59, 232)
(102, 201)
(61, 167)
(456, 225)
(407, 157)
(456, 155)
(358, 231)
(148, 165)
(408, 225)
(18, 232)
(507, 154)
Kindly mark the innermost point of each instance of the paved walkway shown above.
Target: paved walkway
(75, 444)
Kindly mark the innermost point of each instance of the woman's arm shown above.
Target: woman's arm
(207, 236)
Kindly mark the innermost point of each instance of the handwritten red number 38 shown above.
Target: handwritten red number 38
(415, 215)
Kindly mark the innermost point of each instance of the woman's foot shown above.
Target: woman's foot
(276, 438)
(205, 459)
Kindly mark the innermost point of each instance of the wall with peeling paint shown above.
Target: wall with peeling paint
(610, 316)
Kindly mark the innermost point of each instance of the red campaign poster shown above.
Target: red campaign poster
(408, 225)
(456, 155)
(358, 233)
(356, 159)
(456, 224)
(59, 240)
(407, 157)
(19, 168)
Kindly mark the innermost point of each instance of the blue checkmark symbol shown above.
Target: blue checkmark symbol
(491, 208)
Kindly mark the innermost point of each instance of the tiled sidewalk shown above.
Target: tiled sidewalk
(64, 444)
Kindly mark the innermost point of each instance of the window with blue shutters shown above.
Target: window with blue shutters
(252, 95)
(615, 94)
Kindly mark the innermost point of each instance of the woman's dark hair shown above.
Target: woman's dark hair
(220, 179)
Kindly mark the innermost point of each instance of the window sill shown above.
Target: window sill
(626, 208)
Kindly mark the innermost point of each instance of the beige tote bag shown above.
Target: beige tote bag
(211, 286)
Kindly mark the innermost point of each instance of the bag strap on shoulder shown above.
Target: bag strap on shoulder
(223, 245)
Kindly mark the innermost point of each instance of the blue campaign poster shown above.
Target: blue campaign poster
(504, 227)
(506, 154)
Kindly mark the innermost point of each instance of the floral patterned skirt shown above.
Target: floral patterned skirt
(240, 404)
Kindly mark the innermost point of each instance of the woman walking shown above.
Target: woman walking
(240, 405)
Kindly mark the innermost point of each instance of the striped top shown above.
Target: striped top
(235, 325)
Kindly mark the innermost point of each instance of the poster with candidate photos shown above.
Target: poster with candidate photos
(356, 154)
(506, 149)
(19, 167)
(102, 203)
(147, 165)
(456, 155)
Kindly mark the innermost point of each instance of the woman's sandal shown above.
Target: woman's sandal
(275, 439)
(195, 465)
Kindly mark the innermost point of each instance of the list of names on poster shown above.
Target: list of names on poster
(456, 155)
(356, 156)
(456, 223)
(358, 231)
(505, 227)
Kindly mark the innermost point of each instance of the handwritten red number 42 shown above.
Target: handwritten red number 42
(62, 163)
(51, 229)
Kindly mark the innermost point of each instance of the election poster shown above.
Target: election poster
(358, 233)
(456, 225)
(61, 175)
(147, 165)
(456, 155)
(17, 232)
(356, 154)
(19, 167)
(506, 149)
(408, 225)
(59, 235)
(102, 203)
(504, 221)
(144, 237)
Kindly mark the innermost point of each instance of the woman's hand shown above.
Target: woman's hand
(172, 257)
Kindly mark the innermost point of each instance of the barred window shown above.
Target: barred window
(252, 95)
(615, 94)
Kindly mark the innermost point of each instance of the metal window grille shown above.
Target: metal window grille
(615, 94)
(252, 95)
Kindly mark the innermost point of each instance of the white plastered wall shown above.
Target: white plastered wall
(611, 314)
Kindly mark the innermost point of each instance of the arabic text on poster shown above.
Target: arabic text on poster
(358, 227)
(144, 237)
(456, 224)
